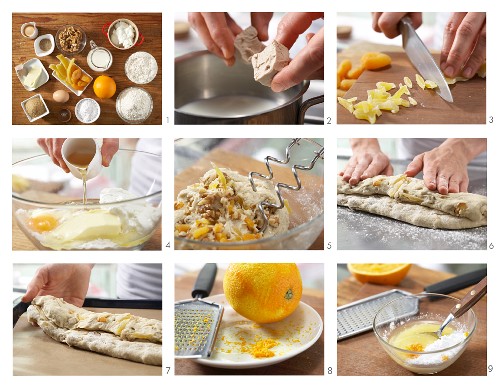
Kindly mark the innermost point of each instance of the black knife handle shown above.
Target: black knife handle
(457, 283)
(205, 281)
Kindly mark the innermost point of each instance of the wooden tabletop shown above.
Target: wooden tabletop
(362, 354)
(149, 25)
(21, 242)
(309, 362)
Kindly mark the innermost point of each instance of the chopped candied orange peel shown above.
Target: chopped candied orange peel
(346, 84)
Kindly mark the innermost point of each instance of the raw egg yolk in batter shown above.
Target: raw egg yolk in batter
(42, 223)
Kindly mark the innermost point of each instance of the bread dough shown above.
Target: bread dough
(407, 199)
(269, 62)
(122, 336)
(228, 212)
(248, 44)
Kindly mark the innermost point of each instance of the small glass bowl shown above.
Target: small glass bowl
(119, 107)
(422, 308)
(81, 46)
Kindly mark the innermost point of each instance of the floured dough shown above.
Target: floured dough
(267, 63)
(122, 336)
(225, 208)
(248, 44)
(407, 199)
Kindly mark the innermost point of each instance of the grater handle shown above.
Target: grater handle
(457, 283)
(205, 281)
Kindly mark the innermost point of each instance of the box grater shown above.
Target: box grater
(197, 321)
(357, 317)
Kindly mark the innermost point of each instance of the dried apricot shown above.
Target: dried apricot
(375, 60)
(342, 70)
(355, 73)
(346, 84)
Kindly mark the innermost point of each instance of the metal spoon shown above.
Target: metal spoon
(471, 298)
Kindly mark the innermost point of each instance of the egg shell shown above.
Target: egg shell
(60, 96)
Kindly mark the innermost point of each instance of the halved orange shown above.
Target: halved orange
(379, 273)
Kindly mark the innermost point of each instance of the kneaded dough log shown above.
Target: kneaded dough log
(407, 199)
(269, 62)
(126, 326)
(248, 44)
(100, 342)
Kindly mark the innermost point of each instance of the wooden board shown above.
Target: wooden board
(469, 106)
(35, 353)
(301, 202)
(309, 362)
(149, 24)
(363, 355)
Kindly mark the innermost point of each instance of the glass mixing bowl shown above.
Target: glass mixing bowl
(81, 45)
(400, 321)
(193, 158)
(48, 207)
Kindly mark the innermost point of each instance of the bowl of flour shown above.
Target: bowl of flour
(141, 67)
(134, 105)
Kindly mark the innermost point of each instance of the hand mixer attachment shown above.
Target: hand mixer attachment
(278, 186)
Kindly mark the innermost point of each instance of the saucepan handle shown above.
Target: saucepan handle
(306, 105)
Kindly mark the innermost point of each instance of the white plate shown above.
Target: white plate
(77, 92)
(27, 66)
(297, 333)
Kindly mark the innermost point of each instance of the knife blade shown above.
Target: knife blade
(20, 307)
(422, 59)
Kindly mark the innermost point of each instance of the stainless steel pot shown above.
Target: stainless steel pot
(202, 75)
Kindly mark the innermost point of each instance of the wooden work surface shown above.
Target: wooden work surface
(301, 202)
(149, 25)
(469, 106)
(363, 355)
(309, 362)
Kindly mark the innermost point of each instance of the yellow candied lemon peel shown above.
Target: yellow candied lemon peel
(408, 82)
(420, 81)
(220, 175)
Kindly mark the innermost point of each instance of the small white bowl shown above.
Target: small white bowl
(23, 69)
(38, 51)
(79, 118)
(44, 104)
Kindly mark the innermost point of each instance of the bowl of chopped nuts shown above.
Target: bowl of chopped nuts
(71, 39)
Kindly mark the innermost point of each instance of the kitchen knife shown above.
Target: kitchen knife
(422, 59)
(20, 307)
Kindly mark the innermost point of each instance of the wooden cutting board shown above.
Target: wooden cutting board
(363, 355)
(301, 202)
(309, 362)
(469, 106)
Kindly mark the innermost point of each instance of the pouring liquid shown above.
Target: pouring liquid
(81, 159)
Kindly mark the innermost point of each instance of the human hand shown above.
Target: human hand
(309, 62)
(387, 22)
(366, 161)
(217, 31)
(53, 146)
(464, 44)
(67, 281)
(445, 167)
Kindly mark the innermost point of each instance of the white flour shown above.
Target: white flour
(87, 110)
(141, 67)
(134, 104)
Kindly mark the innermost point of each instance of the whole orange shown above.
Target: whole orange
(263, 292)
(104, 87)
